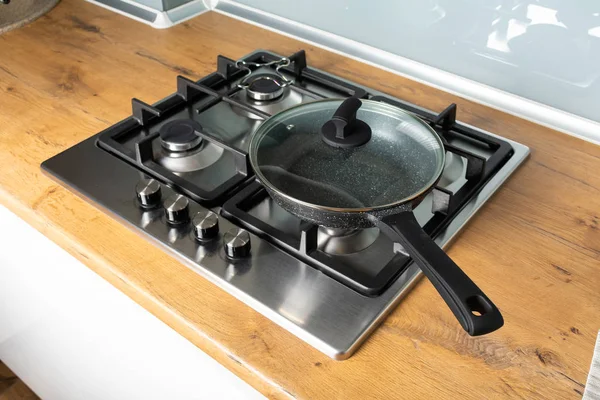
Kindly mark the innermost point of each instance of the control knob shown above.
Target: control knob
(148, 192)
(236, 243)
(177, 209)
(206, 225)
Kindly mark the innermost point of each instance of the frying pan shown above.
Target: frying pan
(356, 164)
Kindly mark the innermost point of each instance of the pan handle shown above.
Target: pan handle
(473, 309)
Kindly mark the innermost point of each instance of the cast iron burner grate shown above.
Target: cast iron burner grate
(218, 93)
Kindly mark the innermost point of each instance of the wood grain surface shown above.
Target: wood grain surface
(534, 248)
(12, 387)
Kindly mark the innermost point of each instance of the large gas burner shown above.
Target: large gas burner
(178, 172)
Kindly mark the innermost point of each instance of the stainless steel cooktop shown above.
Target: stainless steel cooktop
(177, 171)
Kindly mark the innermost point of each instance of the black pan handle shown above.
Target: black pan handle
(473, 309)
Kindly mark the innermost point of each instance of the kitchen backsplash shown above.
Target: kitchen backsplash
(546, 51)
(538, 59)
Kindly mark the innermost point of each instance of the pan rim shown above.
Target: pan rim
(253, 149)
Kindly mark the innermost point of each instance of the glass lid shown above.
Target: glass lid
(347, 155)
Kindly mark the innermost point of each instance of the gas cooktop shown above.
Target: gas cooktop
(196, 196)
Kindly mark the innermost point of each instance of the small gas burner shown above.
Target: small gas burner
(264, 87)
(197, 158)
(180, 135)
(183, 149)
(178, 171)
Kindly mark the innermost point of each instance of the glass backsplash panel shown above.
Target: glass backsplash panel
(545, 50)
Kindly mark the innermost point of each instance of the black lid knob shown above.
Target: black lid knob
(343, 129)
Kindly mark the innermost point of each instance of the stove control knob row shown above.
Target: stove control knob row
(148, 193)
(205, 225)
(236, 243)
(177, 209)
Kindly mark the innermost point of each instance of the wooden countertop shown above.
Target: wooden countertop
(534, 248)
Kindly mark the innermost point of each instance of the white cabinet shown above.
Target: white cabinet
(69, 334)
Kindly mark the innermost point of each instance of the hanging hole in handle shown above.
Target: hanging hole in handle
(478, 305)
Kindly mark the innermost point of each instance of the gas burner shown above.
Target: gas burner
(180, 135)
(264, 88)
(182, 148)
(344, 241)
(196, 159)
(288, 99)
(267, 92)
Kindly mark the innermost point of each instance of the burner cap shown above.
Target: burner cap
(343, 241)
(180, 135)
(264, 88)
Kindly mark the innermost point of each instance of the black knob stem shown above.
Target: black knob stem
(344, 129)
(344, 117)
